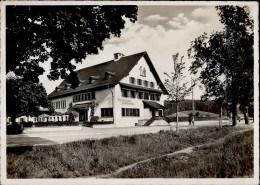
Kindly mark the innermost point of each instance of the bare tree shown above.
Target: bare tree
(174, 84)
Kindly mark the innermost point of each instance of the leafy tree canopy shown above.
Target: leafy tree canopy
(24, 97)
(63, 33)
(225, 59)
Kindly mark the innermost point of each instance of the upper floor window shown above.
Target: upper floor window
(84, 97)
(132, 94)
(140, 95)
(145, 83)
(151, 84)
(158, 97)
(152, 97)
(146, 96)
(139, 82)
(124, 93)
(132, 80)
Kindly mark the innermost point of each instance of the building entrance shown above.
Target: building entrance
(83, 115)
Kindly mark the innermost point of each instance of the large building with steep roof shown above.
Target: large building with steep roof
(124, 92)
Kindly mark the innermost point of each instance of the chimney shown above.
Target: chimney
(117, 56)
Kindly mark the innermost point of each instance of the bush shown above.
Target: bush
(61, 123)
(28, 124)
(14, 129)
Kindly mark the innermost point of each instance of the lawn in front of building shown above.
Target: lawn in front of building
(98, 157)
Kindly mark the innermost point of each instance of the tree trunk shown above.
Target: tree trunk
(173, 120)
(246, 116)
(177, 118)
(234, 115)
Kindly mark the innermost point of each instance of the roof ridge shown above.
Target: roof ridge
(110, 61)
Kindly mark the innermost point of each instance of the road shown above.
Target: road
(58, 136)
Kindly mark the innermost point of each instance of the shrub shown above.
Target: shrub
(94, 119)
(61, 123)
(14, 129)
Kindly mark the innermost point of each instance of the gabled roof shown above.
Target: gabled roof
(119, 68)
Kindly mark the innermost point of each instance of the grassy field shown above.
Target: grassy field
(231, 158)
(96, 157)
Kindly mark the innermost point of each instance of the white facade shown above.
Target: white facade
(112, 98)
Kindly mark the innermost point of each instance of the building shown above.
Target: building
(125, 91)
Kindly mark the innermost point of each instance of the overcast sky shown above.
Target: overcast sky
(161, 31)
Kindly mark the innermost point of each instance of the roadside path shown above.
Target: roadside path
(60, 135)
(187, 150)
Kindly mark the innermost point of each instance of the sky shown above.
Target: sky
(162, 31)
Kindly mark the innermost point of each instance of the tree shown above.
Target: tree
(63, 34)
(225, 60)
(24, 98)
(72, 113)
(177, 90)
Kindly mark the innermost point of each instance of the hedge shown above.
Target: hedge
(14, 129)
(61, 123)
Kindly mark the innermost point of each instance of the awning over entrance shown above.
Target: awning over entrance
(153, 104)
(82, 106)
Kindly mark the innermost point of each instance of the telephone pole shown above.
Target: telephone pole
(192, 84)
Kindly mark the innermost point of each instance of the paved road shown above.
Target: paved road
(58, 137)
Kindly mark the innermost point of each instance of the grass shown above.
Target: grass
(231, 158)
(96, 157)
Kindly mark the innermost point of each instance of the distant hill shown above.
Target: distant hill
(186, 105)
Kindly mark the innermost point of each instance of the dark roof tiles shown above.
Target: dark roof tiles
(120, 68)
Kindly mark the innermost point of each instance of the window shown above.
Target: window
(146, 96)
(157, 97)
(145, 83)
(132, 80)
(152, 97)
(132, 94)
(106, 112)
(130, 112)
(151, 84)
(124, 93)
(84, 97)
(89, 96)
(139, 82)
(140, 95)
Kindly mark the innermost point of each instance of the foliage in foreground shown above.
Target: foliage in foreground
(231, 158)
(95, 157)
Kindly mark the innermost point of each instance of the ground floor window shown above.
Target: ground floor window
(130, 112)
(106, 112)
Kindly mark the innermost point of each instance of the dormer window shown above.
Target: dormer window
(117, 56)
(66, 86)
(109, 74)
(92, 79)
(57, 89)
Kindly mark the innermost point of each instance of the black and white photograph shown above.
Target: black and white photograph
(129, 92)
